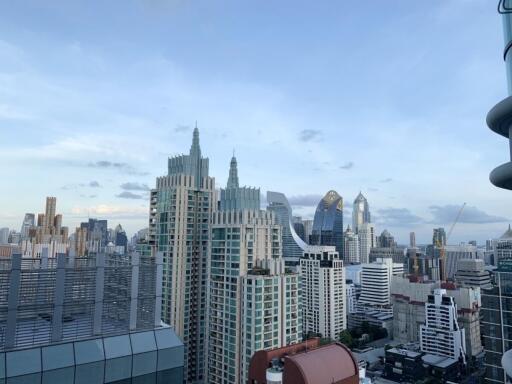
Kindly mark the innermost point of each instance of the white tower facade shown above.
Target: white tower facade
(367, 241)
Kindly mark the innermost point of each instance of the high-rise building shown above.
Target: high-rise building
(366, 233)
(376, 282)
(441, 334)
(80, 241)
(89, 320)
(247, 242)
(49, 215)
(293, 245)
(397, 254)
(360, 212)
(496, 323)
(97, 234)
(351, 247)
(239, 240)
(452, 255)
(328, 222)
(323, 292)
(27, 225)
(439, 237)
(271, 315)
(412, 240)
(4, 235)
(180, 210)
(120, 238)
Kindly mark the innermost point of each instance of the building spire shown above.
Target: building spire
(233, 173)
(195, 149)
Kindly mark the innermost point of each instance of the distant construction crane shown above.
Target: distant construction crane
(443, 275)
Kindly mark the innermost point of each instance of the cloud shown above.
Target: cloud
(398, 217)
(347, 166)
(123, 167)
(472, 215)
(387, 180)
(129, 195)
(373, 189)
(182, 128)
(305, 200)
(133, 186)
(91, 184)
(88, 196)
(310, 134)
(111, 211)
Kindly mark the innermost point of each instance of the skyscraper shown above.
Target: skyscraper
(49, 215)
(293, 245)
(386, 240)
(4, 235)
(412, 240)
(328, 222)
(360, 212)
(180, 210)
(28, 223)
(367, 241)
(376, 282)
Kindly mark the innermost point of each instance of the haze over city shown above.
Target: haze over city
(351, 96)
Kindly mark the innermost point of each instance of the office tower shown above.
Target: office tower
(439, 237)
(323, 290)
(27, 225)
(293, 245)
(271, 315)
(496, 322)
(472, 273)
(235, 197)
(386, 240)
(360, 212)
(376, 282)
(421, 265)
(308, 229)
(441, 334)
(49, 215)
(328, 222)
(351, 247)
(366, 233)
(412, 240)
(4, 235)
(298, 225)
(80, 241)
(180, 210)
(88, 320)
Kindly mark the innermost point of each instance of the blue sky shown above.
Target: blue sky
(354, 95)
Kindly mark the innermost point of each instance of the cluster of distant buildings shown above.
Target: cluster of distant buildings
(256, 293)
(47, 233)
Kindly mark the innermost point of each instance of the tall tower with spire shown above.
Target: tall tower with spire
(181, 206)
(235, 197)
(360, 212)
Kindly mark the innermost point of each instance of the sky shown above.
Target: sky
(387, 98)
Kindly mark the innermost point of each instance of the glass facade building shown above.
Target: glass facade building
(328, 222)
(86, 320)
(496, 322)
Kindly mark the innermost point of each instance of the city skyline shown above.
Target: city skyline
(83, 122)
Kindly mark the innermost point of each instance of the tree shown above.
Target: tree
(346, 338)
